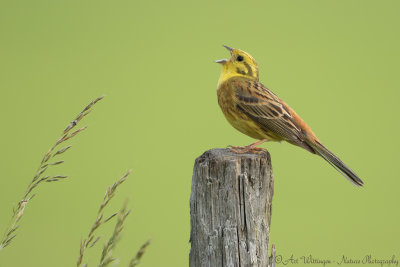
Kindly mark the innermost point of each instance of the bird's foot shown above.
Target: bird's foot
(252, 148)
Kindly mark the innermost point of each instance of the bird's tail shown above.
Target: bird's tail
(336, 163)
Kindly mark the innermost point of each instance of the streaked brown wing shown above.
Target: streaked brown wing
(266, 109)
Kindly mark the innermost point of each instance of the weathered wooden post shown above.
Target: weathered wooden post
(230, 209)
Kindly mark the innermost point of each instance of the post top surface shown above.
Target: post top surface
(226, 153)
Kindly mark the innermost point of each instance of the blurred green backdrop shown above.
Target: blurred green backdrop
(335, 62)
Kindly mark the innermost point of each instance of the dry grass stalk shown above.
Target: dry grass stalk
(90, 240)
(106, 255)
(136, 260)
(39, 177)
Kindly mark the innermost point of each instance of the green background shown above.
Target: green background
(335, 62)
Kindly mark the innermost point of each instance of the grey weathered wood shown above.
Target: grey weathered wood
(230, 209)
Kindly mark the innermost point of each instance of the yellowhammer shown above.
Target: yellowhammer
(256, 111)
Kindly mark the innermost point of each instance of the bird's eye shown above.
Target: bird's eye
(239, 58)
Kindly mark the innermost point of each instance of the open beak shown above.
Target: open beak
(229, 48)
(223, 61)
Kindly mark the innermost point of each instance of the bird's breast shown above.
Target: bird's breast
(239, 120)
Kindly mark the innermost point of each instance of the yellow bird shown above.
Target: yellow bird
(256, 111)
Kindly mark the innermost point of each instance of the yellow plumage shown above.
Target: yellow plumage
(256, 111)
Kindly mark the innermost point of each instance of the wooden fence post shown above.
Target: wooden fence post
(230, 209)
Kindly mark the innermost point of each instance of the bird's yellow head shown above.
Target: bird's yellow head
(241, 64)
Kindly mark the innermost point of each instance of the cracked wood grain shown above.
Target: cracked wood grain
(230, 209)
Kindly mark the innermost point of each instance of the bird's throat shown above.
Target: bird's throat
(228, 73)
